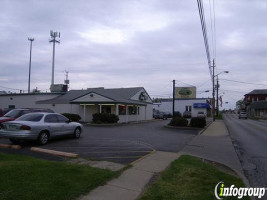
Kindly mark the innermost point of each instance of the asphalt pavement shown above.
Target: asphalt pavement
(121, 144)
(250, 141)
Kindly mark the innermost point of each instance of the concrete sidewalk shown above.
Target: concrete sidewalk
(132, 182)
(215, 144)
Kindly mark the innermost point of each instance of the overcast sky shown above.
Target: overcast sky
(118, 43)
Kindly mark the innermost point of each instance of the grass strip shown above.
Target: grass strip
(189, 178)
(23, 177)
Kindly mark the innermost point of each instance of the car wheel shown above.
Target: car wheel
(77, 133)
(43, 138)
(15, 141)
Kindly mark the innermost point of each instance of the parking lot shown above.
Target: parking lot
(122, 144)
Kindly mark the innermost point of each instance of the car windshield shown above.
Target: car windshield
(12, 114)
(31, 117)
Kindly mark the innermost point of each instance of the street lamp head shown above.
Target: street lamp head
(226, 72)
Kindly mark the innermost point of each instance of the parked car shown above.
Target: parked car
(16, 113)
(187, 114)
(160, 115)
(40, 126)
(201, 114)
(242, 115)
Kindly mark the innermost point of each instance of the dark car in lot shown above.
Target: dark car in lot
(40, 126)
(187, 114)
(160, 115)
(16, 113)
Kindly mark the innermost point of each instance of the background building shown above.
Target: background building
(194, 106)
(256, 103)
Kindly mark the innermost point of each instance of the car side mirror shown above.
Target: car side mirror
(68, 121)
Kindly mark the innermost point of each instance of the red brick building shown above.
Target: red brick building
(256, 103)
(256, 95)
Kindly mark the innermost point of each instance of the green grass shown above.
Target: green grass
(189, 178)
(23, 177)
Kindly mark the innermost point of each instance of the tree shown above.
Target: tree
(240, 104)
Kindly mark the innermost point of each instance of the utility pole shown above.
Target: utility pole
(30, 65)
(213, 92)
(54, 35)
(173, 98)
(217, 98)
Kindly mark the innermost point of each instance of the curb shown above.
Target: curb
(121, 124)
(55, 153)
(9, 146)
(205, 128)
(182, 127)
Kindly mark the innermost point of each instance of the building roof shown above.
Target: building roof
(119, 95)
(258, 91)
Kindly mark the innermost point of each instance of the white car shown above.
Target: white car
(40, 126)
(242, 115)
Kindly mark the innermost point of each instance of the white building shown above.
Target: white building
(130, 104)
(181, 105)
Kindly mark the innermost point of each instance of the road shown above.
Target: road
(250, 141)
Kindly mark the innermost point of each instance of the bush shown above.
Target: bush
(72, 117)
(198, 122)
(100, 118)
(178, 121)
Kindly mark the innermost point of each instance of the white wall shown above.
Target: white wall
(24, 100)
(180, 105)
(145, 113)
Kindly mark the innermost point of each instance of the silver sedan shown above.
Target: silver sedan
(41, 127)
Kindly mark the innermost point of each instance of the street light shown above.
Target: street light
(217, 90)
(30, 64)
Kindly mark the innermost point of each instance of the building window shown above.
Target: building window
(188, 108)
(106, 109)
(132, 110)
(122, 110)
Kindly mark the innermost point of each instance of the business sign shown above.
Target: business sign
(201, 105)
(185, 92)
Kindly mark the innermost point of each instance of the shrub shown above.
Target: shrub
(72, 117)
(199, 122)
(100, 118)
(178, 121)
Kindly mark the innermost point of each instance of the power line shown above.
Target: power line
(243, 82)
(204, 30)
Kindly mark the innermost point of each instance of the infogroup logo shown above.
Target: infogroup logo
(221, 191)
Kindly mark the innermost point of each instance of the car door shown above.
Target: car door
(51, 122)
(65, 124)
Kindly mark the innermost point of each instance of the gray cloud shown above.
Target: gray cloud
(132, 43)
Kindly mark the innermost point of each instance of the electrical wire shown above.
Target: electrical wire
(243, 82)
